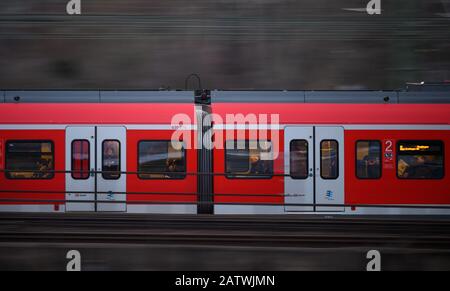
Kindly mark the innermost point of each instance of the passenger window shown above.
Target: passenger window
(111, 160)
(161, 160)
(299, 159)
(249, 159)
(420, 160)
(329, 159)
(237, 157)
(80, 159)
(29, 160)
(368, 159)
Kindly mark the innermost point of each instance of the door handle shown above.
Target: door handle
(92, 172)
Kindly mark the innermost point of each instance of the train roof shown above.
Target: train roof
(412, 95)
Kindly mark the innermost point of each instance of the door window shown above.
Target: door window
(111, 160)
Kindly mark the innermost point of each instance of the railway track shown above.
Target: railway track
(197, 242)
(263, 231)
(257, 240)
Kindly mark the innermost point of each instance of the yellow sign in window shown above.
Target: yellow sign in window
(414, 148)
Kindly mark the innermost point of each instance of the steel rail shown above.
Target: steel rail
(273, 240)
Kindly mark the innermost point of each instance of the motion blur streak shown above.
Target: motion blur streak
(266, 44)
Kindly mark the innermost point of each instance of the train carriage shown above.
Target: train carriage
(338, 152)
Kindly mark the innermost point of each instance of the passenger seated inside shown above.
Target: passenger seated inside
(372, 166)
(260, 167)
(161, 160)
(111, 163)
(368, 159)
(421, 160)
(42, 167)
(402, 168)
(172, 168)
(419, 167)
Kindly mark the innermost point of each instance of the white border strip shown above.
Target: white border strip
(162, 209)
(132, 208)
(264, 209)
(50, 208)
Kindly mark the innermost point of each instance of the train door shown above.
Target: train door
(95, 165)
(329, 161)
(80, 168)
(314, 164)
(299, 157)
(111, 168)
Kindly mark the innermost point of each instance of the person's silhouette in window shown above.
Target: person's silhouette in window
(111, 160)
(173, 169)
(372, 166)
(43, 167)
(259, 167)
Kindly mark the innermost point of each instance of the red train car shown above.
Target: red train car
(225, 152)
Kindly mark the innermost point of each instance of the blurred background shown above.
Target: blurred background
(231, 44)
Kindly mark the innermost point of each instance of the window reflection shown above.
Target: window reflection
(111, 160)
(368, 159)
(80, 159)
(24, 157)
(249, 159)
(420, 160)
(299, 159)
(329, 159)
(161, 160)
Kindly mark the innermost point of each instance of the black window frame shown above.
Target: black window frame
(53, 149)
(307, 160)
(231, 176)
(337, 159)
(380, 157)
(397, 148)
(89, 159)
(185, 159)
(119, 158)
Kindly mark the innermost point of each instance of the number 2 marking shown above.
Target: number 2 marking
(388, 144)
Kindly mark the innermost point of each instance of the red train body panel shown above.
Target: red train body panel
(136, 185)
(389, 189)
(290, 113)
(54, 187)
(387, 124)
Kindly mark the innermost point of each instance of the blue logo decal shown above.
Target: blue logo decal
(330, 195)
(110, 195)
